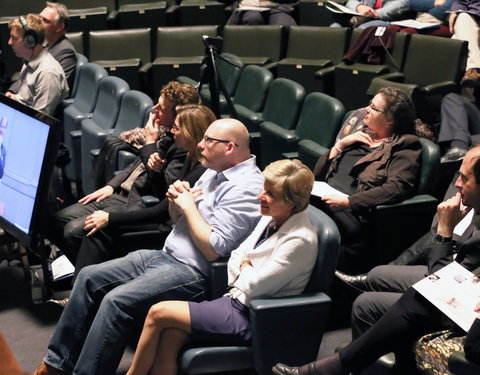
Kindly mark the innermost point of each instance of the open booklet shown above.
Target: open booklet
(321, 189)
(414, 24)
(62, 268)
(339, 8)
(455, 291)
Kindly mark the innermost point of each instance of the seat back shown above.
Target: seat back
(110, 94)
(229, 68)
(77, 39)
(269, 45)
(201, 12)
(320, 119)
(81, 61)
(446, 60)
(182, 41)
(429, 167)
(310, 42)
(328, 251)
(88, 81)
(144, 14)
(283, 103)
(120, 44)
(253, 87)
(134, 109)
(86, 19)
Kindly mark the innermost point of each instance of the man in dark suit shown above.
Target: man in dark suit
(3, 128)
(158, 165)
(412, 315)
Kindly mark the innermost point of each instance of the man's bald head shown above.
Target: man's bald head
(226, 144)
(468, 183)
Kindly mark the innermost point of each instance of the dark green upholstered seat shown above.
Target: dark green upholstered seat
(121, 52)
(311, 49)
(260, 45)
(319, 121)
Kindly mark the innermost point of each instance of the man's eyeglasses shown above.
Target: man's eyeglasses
(375, 108)
(207, 139)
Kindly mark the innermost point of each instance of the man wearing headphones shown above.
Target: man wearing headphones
(42, 83)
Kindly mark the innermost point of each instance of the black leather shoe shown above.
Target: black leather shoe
(281, 369)
(357, 282)
(453, 154)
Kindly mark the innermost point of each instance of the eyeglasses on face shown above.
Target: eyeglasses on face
(375, 108)
(208, 139)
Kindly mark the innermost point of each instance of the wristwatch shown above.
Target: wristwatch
(441, 239)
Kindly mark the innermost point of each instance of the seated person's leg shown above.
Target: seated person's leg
(368, 308)
(393, 278)
(252, 17)
(280, 17)
(459, 117)
(467, 28)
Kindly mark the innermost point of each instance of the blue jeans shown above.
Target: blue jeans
(109, 301)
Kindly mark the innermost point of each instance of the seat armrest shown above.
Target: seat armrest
(218, 278)
(394, 76)
(440, 88)
(145, 68)
(416, 201)
(459, 364)
(290, 155)
(299, 321)
(94, 153)
(325, 72)
(76, 134)
(124, 158)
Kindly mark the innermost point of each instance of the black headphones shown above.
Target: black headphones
(30, 37)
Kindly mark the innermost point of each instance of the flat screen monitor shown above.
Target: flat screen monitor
(28, 148)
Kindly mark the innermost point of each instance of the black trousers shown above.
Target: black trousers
(409, 318)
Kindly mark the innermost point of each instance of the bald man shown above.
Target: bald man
(111, 299)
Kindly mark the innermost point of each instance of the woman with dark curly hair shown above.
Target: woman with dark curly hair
(375, 160)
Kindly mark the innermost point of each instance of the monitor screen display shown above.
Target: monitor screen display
(28, 146)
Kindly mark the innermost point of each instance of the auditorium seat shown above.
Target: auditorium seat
(87, 19)
(201, 12)
(228, 68)
(320, 120)
(427, 83)
(133, 111)
(81, 61)
(309, 50)
(144, 14)
(314, 13)
(77, 39)
(121, 52)
(249, 98)
(260, 45)
(352, 80)
(282, 107)
(179, 51)
(286, 329)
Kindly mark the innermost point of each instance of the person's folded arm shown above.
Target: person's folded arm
(402, 175)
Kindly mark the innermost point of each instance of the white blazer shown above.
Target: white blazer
(281, 265)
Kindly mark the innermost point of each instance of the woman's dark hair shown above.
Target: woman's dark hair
(399, 109)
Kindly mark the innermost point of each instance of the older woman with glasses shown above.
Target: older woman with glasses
(275, 260)
(375, 160)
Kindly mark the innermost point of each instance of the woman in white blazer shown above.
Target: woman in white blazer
(275, 260)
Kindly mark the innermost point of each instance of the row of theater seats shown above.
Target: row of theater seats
(311, 56)
(309, 116)
(100, 105)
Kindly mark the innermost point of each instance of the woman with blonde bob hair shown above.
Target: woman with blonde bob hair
(275, 260)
